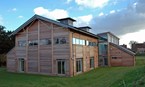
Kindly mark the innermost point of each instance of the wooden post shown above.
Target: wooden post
(52, 39)
(38, 46)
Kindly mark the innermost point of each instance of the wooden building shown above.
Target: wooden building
(111, 53)
(57, 48)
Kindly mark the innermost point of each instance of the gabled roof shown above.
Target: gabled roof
(123, 49)
(35, 17)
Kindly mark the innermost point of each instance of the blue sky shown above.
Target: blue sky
(125, 18)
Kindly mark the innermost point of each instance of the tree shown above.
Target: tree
(132, 42)
(6, 43)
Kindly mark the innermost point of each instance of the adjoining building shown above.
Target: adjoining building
(57, 48)
(111, 54)
(138, 48)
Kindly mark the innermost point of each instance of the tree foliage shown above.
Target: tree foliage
(6, 41)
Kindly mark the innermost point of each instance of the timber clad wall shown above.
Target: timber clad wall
(43, 59)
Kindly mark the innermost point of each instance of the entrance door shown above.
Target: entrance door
(61, 66)
(21, 65)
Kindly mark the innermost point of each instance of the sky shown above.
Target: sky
(124, 18)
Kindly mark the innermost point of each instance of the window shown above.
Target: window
(21, 43)
(33, 42)
(21, 65)
(114, 57)
(92, 62)
(61, 40)
(87, 43)
(79, 65)
(61, 66)
(77, 41)
(45, 41)
(74, 41)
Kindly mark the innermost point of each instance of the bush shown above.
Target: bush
(2, 60)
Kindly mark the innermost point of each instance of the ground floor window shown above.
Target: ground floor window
(21, 65)
(61, 66)
(92, 62)
(79, 65)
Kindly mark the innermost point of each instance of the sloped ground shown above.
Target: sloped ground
(100, 77)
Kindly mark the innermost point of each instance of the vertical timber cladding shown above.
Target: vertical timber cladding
(20, 51)
(45, 51)
(33, 50)
(85, 52)
(11, 61)
(61, 51)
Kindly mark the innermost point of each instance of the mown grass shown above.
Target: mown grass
(100, 77)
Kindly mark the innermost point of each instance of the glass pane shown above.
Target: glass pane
(63, 40)
(77, 41)
(63, 67)
(74, 40)
(59, 67)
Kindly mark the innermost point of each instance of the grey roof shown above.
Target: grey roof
(122, 48)
(68, 18)
(35, 17)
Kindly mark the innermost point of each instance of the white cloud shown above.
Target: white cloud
(1, 20)
(68, 1)
(20, 16)
(92, 3)
(113, 11)
(83, 20)
(101, 14)
(53, 14)
(14, 9)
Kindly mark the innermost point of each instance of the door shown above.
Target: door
(61, 66)
(21, 65)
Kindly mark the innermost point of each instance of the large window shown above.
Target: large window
(79, 65)
(92, 62)
(83, 42)
(22, 43)
(61, 66)
(33, 42)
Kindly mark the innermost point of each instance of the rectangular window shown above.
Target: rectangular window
(87, 43)
(77, 41)
(79, 65)
(21, 65)
(60, 40)
(61, 66)
(22, 43)
(74, 40)
(92, 62)
(33, 42)
(45, 41)
(114, 57)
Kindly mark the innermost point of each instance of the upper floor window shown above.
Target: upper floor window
(45, 41)
(33, 42)
(61, 40)
(22, 43)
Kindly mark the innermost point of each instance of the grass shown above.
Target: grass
(100, 77)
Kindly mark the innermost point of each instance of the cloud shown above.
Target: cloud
(92, 3)
(14, 9)
(83, 20)
(68, 1)
(53, 14)
(20, 16)
(101, 14)
(1, 20)
(130, 19)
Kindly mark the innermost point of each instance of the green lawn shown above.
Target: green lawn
(100, 77)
